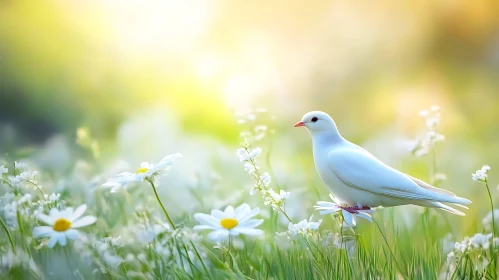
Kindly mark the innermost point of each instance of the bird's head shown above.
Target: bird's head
(317, 121)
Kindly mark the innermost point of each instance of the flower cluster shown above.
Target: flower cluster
(432, 136)
(481, 174)
(261, 181)
(305, 228)
(253, 130)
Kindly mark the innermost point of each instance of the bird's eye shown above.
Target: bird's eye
(314, 119)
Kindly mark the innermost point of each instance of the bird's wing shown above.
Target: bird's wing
(361, 170)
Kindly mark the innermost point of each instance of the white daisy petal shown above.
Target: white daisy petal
(241, 211)
(218, 235)
(207, 220)
(248, 231)
(217, 214)
(229, 211)
(348, 217)
(72, 234)
(43, 231)
(49, 220)
(55, 213)
(53, 240)
(204, 227)
(67, 213)
(85, 221)
(78, 212)
(62, 238)
(250, 215)
(250, 223)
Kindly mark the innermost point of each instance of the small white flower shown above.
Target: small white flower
(481, 174)
(265, 178)
(451, 257)
(278, 197)
(250, 168)
(244, 155)
(63, 225)
(3, 169)
(146, 171)
(481, 240)
(229, 222)
(349, 213)
(19, 165)
(304, 227)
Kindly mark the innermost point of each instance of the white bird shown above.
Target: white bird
(361, 181)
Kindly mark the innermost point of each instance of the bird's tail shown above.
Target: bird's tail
(440, 205)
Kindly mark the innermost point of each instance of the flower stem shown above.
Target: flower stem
(492, 255)
(9, 236)
(174, 227)
(161, 204)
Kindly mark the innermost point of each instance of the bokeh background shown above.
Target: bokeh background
(145, 78)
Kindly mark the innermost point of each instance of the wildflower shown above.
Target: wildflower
(250, 168)
(266, 179)
(229, 222)
(146, 171)
(349, 213)
(248, 155)
(63, 225)
(480, 240)
(481, 174)
(277, 197)
(304, 227)
(451, 257)
(3, 169)
(426, 143)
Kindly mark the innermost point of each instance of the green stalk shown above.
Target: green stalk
(492, 255)
(174, 228)
(9, 236)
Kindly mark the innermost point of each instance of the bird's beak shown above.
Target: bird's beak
(299, 124)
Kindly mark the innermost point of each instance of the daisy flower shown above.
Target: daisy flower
(146, 171)
(349, 213)
(229, 222)
(62, 225)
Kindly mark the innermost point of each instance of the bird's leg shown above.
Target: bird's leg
(355, 209)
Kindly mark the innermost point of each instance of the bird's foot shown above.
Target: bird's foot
(355, 209)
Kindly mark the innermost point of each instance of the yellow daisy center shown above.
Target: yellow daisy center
(142, 170)
(61, 225)
(228, 223)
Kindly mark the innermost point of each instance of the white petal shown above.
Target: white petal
(229, 212)
(365, 216)
(241, 211)
(325, 212)
(249, 215)
(79, 211)
(49, 220)
(62, 239)
(348, 217)
(218, 235)
(54, 213)
(250, 223)
(217, 214)
(248, 231)
(53, 240)
(206, 219)
(85, 221)
(72, 234)
(203, 227)
(44, 231)
(67, 213)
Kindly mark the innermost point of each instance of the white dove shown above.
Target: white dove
(359, 180)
